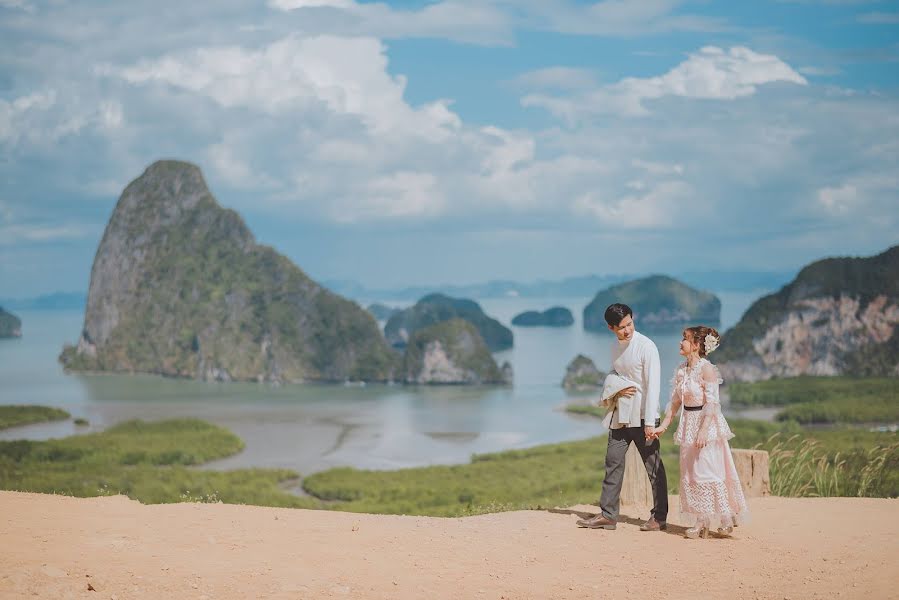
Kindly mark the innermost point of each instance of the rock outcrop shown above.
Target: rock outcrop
(840, 316)
(582, 374)
(451, 352)
(179, 287)
(658, 302)
(435, 308)
(10, 325)
(556, 316)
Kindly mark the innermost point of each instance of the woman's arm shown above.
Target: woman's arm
(674, 403)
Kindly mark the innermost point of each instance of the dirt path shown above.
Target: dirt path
(56, 546)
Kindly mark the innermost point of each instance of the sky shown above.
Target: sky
(458, 141)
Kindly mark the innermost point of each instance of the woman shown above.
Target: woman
(709, 485)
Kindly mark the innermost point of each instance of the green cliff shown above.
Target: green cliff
(839, 316)
(179, 287)
(658, 301)
(435, 308)
(451, 352)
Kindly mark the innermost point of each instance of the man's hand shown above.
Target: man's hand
(627, 392)
(650, 432)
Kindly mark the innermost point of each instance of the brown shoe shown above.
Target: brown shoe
(653, 525)
(597, 522)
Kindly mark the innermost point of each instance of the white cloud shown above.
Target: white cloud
(838, 200)
(402, 194)
(43, 118)
(657, 207)
(345, 75)
(866, 198)
(711, 73)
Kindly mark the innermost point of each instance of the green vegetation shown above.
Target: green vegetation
(14, 416)
(155, 463)
(10, 324)
(145, 461)
(657, 301)
(436, 308)
(833, 400)
(570, 473)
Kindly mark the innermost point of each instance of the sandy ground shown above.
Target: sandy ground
(61, 547)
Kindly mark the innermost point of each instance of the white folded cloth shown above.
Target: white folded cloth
(612, 385)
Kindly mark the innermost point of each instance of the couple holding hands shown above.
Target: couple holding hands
(710, 489)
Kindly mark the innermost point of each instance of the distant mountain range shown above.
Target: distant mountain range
(55, 301)
(587, 285)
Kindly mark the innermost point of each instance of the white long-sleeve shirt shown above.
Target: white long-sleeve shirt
(638, 360)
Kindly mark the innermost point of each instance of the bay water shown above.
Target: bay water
(312, 427)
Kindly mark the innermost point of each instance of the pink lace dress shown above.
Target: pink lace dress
(710, 488)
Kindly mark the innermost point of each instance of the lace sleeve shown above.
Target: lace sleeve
(711, 380)
(675, 385)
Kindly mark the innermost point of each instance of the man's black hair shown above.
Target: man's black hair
(615, 313)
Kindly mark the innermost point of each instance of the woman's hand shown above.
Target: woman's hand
(702, 440)
(660, 430)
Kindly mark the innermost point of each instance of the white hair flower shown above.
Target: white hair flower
(711, 342)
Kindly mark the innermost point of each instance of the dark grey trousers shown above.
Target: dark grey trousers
(619, 441)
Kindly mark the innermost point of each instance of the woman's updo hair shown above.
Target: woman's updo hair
(698, 335)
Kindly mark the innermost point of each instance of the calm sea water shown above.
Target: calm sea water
(313, 427)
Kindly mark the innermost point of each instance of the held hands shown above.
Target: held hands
(651, 433)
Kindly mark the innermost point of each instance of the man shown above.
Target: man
(636, 358)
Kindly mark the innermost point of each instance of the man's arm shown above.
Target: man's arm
(652, 373)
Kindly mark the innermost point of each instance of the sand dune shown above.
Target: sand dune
(59, 547)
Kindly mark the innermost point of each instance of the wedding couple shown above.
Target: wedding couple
(710, 489)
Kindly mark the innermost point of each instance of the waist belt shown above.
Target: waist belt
(692, 407)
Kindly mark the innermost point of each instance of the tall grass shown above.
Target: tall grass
(800, 466)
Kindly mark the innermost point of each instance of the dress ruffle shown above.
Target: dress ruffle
(688, 428)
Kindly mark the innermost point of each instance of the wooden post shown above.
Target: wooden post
(636, 490)
(752, 467)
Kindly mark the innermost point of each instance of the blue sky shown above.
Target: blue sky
(416, 143)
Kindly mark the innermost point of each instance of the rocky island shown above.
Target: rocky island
(839, 316)
(658, 301)
(10, 325)
(452, 352)
(556, 316)
(582, 374)
(435, 308)
(179, 287)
